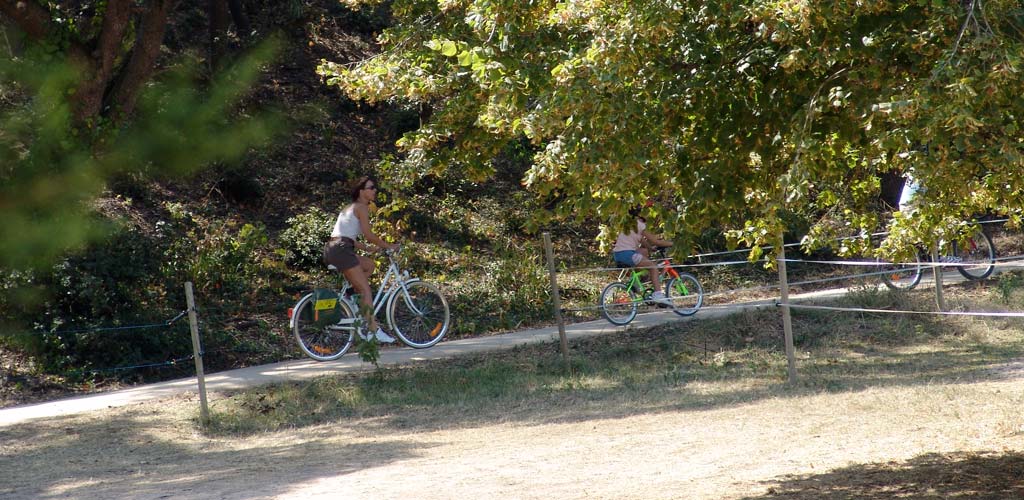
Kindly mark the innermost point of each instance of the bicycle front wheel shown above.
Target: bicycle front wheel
(617, 303)
(686, 294)
(978, 256)
(418, 314)
(901, 276)
(322, 342)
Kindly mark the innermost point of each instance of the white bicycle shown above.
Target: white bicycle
(326, 321)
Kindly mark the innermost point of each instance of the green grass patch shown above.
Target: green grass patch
(699, 364)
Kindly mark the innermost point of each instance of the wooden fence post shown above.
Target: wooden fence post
(197, 353)
(556, 300)
(937, 269)
(787, 322)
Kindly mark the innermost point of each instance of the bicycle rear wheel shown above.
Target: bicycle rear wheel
(617, 303)
(686, 294)
(978, 256)
(322, 342)
(901, 276)
(421, 317)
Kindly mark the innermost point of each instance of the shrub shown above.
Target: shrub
(503, 294)
(84, 306)
(303, 240)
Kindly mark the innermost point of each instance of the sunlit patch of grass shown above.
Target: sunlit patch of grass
(690, 364)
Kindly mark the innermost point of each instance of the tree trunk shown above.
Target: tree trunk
(107, 87)
(892, 186)
(217, 11)
(242, 25)
(149, 38)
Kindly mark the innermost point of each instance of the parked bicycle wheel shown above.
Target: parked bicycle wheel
(617, 303)
(686, 294)
(421, 317)
(978, 256)
(901, 276)
(320, 340)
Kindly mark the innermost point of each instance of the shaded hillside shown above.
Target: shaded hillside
(236, 230)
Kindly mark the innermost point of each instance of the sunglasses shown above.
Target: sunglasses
(370, 187)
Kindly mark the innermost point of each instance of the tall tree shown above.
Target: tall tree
(113, 44)
(90, 109)
(729, 113)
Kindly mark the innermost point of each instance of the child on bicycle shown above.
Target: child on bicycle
(630, 250)
(340, 251)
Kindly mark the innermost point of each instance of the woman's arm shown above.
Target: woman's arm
(653, 239)
(364, 222)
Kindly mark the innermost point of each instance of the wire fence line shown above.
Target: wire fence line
(701, 256)
(1010, 261)
(160, 364)
(872, 267)
(164, 324)
(992, 314)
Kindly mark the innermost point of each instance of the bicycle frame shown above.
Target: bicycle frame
(634, 285)
(665, 272)
(394, 280)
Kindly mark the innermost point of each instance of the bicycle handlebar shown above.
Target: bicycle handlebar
(661, 251)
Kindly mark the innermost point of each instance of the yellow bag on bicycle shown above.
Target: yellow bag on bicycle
(326, 310)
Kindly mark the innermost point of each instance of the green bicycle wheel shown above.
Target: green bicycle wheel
(618, 304)
(686, 294)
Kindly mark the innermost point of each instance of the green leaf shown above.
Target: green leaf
(449, 48)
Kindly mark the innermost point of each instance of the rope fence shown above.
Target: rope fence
(990, 314)
(115, 369)
(164, 324)
(872, 268)
(196, 356)
(720, 298)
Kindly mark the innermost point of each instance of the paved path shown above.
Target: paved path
(307, 369)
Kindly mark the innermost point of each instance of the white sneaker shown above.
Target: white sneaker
(383, 337)
(660, 299)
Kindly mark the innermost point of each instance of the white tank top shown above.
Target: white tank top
(630, 240)
(347, 224)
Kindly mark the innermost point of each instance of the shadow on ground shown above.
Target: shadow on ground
(124, 458)
(958, 475)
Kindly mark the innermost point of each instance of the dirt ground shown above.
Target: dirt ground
(969, 443)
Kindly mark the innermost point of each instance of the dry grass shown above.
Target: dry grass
(887, 406)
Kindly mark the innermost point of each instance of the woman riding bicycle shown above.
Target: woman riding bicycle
(630, 251)
(353, 222)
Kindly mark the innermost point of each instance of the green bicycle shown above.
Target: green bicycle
(621, 299)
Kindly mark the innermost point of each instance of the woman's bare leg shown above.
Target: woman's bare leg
(357, 279)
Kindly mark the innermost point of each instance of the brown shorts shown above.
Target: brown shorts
(341, 253)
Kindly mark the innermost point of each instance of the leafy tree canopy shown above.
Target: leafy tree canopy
(726, 113)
